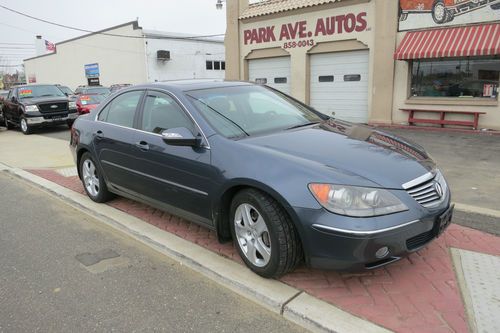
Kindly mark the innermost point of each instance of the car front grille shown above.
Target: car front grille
(419, 240)
(49, 107)
(430, 191)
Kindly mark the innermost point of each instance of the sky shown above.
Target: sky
(198, 17)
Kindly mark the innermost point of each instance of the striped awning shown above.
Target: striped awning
(478, 40)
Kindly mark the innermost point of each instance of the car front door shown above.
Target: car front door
(11, 107)
(179, 177)
(114, 140)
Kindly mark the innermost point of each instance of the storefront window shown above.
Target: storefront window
(471, 77)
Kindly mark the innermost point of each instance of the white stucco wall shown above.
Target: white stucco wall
(187, 59)
(121, 60)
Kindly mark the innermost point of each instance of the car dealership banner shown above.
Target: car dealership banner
(92, 70)
(421, 14)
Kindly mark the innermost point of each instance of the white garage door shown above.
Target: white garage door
(339, 83)
(274, 72)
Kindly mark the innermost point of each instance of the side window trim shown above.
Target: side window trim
(138, 109)
(174, 99)
(206, 144)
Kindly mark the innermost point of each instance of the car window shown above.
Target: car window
(121, 110)
(161, 112)
(10, 94)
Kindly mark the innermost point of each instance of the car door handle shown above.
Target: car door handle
(99, 135)
(142, 145)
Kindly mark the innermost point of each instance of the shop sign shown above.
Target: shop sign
(302, 33)
(92, 70)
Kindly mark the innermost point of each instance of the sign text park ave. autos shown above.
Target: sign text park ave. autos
(339, 24)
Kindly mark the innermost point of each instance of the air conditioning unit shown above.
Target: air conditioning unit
(163, 55)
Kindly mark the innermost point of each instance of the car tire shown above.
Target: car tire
(92, 180)
(440, 13)
(264, 234)
(25, 127)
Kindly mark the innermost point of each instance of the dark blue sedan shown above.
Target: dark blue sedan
(283, 181)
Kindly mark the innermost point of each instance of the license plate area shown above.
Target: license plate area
(443, 221)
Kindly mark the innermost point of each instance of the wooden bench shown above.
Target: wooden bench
(442, 121)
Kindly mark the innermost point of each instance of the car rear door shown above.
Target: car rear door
(176, 176)
(114, 139)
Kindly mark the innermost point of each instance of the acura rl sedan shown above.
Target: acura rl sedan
(283, 181)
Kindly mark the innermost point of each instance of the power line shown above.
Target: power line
(102, 33)
(6, 43)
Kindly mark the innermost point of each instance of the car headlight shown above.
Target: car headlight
(356, 201)
(31, 108)
(72, 105)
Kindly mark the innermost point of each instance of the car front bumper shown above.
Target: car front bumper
(330, 245)
(51, 119)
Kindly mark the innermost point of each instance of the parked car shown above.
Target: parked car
(86, 90)
(443, 10)
(37, 105)
(116, 87)
(282, 180)
(86, 103)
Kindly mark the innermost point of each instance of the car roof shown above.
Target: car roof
(197, 84)
(34, 85)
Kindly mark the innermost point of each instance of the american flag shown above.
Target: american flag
(50, 46)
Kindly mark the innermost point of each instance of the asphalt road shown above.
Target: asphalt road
(57, 132)
(54, 277)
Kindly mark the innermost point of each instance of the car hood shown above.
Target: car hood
(380, 158)
(41, 100)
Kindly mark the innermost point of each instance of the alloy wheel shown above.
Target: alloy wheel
(24, 125)
(90, 178)
(252, 235)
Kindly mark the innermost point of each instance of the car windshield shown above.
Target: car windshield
(242, 111)
(99, 90)
(66, 90)
(91, 99)
(39, 91)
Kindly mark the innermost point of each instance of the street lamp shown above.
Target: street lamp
(219, 4)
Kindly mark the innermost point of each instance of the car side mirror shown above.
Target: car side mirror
(180, 136)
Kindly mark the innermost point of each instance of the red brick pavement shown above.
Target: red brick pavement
(417, 294)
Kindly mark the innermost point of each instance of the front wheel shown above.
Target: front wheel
(92, 180)
(25, 127)
(264, 234)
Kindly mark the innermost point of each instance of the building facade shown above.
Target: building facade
(344, 56)
(106, 57)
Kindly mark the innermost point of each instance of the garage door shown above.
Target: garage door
(274, 72)
(339, 83)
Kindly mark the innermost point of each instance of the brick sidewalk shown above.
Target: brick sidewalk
(417, 294)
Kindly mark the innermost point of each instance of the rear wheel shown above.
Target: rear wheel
(264, 235)
(440, 13)
(25, 127)
(92, 180)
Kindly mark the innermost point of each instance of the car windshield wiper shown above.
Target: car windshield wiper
(303, 125)
(220, 114)
(47, 95)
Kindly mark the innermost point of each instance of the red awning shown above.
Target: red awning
(478, 40)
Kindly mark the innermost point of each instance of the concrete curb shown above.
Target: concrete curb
(479, 218)
(295, 305)
(464, 291)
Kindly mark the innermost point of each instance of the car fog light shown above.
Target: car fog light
(382, 252)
